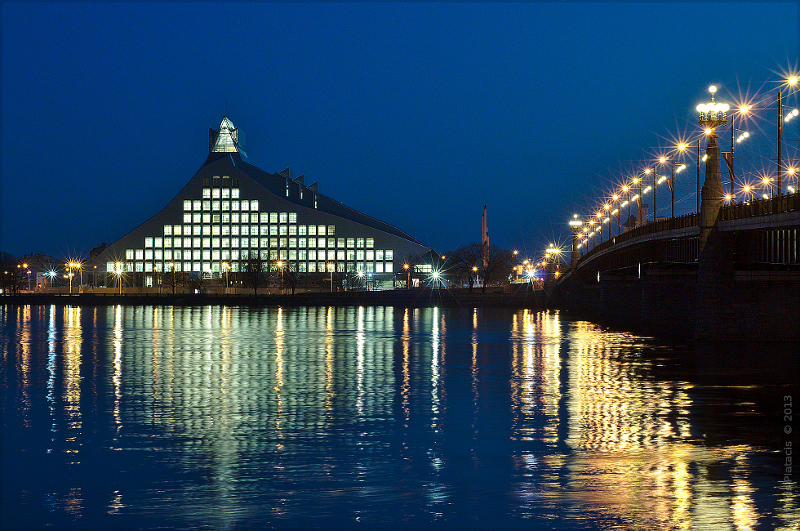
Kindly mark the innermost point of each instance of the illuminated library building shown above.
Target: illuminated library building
(231, 212)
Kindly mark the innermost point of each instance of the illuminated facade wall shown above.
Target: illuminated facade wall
(231, 211)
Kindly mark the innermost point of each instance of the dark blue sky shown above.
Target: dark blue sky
(417, 114)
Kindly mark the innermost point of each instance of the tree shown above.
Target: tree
(494, 263)
(253, 271)
(465, 261)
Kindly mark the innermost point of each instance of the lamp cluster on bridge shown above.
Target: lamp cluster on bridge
(594, 226)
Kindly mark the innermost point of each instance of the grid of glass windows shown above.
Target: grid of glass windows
(196, 246)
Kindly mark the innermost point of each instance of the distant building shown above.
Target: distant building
(231, 212)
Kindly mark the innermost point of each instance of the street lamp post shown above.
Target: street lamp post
(792, 81)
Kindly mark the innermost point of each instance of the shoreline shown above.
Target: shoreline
(415, 298)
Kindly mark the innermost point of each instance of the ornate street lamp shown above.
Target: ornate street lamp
(792, 81)
(577, 226)
(711, 115)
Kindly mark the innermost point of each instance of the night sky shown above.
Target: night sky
(417, 114)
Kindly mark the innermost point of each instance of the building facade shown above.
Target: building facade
(232, 213)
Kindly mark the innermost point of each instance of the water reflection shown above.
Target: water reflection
(335, 416)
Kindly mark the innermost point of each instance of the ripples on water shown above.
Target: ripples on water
(227, 417)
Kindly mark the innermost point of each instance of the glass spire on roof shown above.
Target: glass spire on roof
(227, 140)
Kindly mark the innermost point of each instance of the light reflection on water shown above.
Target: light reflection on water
(237, 417)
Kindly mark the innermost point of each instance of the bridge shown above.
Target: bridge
(726, 272)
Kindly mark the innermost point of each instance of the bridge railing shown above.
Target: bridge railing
(754, 208)
(679, 222)
(761, 207)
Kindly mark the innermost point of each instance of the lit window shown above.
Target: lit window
(312, 254)
(226, 206)
(351, 254)
(321, 230)
(139, 254)
(216, 218)
(264, 243)
(301, 267)
(214, 242)
(370, 267)
(292, 254)
(128, 254)
(283, 230)
(389, 255)
(187, 217)
(340, 243)
(370, 243)
(167, 255)
(264, 231)
(321, 243)
(215, 193)
(254, 205)
(264, 217)
(388, 268)
(292, 217)
(283, 217)
(244, 242)
(178, 254)
(292, 230)
(235, 218)
(226, 193)
(215, 206)
(206, 254)
(226, 242)
(301, 230)
(245, 231)
(226, 218)
(379, 254)
(254, 242)
(167, 242)
(312, 267)
(303, 254)
(370, 256)
(245, 217)
(273, 242)
(340, 255)
(234, 242)
(234, 205)
(196, 242)
(273, 217)
(197, 218)
(225, 255)
(187, 204)
(292, 242)
(176, 230)
(187, 242)
(196, 230)
(360, 255)
(215, 256)
(379, 267)
(273, 230)
(351, 242)
(197, 204)
(158, 254)
(360, 243)
(312, 230)
(245, 205)
(282, 243)
(235, 193)
(139, 267)
(167, 230)
(273, 254)
(331, 230)
(206, 218)
(301, 242)
(148, 242)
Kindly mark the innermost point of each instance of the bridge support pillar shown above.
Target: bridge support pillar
(712, 194)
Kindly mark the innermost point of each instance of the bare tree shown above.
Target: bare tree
(465, 262)
(253, 270)
(495, 263)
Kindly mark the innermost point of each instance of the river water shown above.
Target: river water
(374, 417)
